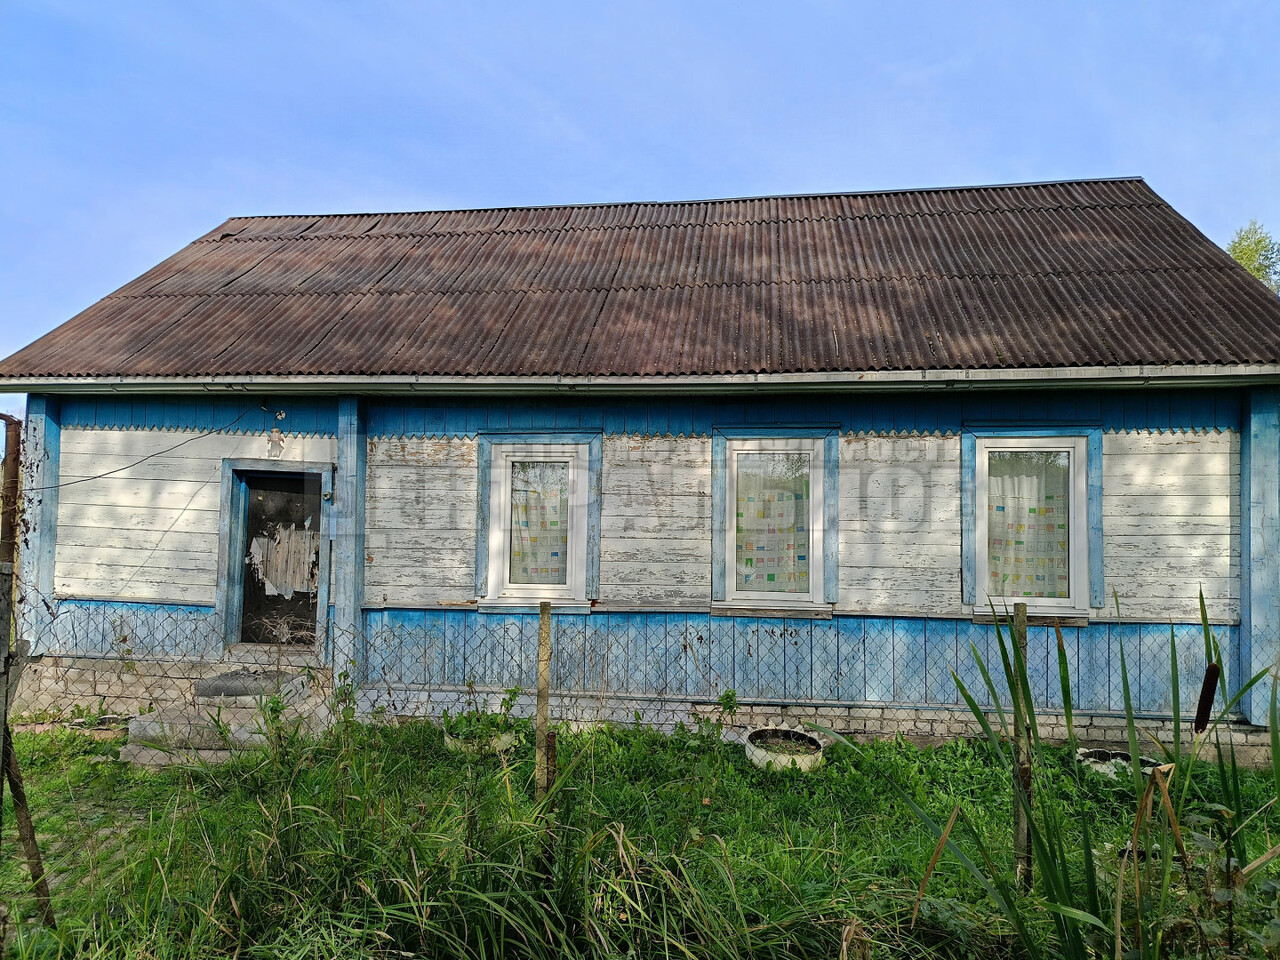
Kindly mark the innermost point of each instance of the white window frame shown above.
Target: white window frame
(500, 587)
(815, 448)
(1077, 603)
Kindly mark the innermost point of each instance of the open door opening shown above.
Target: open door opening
(281, 558)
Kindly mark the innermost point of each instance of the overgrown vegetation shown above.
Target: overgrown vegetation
(377, 841)
(1156, 899)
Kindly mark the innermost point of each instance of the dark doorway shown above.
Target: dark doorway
(281, 558)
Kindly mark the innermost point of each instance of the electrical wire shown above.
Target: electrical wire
(129, 466)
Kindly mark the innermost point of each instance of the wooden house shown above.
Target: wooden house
(797, 447)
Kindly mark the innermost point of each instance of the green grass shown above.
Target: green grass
(376, 841)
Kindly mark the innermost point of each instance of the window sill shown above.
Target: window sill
(1065, 618)
(813, 612)
(532, 606)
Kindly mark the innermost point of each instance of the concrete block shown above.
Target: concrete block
(154, 758)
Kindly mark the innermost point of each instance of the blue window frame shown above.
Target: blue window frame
(728, 445)
(1089, 520)
(576, 447)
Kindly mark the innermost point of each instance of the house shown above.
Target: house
(796, 447)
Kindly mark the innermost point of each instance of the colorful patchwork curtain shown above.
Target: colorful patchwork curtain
(539, 522)
(773, 522)
(1027, 523)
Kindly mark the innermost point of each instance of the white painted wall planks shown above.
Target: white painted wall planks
(900, 525)
(420, 520)
(1170, 520)
(150, 533)
(655, 519)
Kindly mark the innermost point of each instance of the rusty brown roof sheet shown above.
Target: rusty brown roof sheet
(1083, 273)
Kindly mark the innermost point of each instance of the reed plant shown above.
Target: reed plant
(1182, 883)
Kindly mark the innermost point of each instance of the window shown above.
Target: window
(536, 515)
(774, 549)
(1031, 522)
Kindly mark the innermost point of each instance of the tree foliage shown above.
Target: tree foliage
(1258, 252)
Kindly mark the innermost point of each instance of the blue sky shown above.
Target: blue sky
(128, 128)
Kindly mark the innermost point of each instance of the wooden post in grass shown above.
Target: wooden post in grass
(541, 768)
(1021, 755)
(8, 681)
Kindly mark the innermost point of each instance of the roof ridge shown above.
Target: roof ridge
(890, 191)
(895, 277)
(570, 228)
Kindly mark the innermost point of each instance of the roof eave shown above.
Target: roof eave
(1002, 378)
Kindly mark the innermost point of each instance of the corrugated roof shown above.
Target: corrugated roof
(1083, 273)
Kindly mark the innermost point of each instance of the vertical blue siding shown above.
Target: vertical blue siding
(941, 661)
(348, 551)
(1259, 541)
(825, 661)
(239, 414)
(1071, 647)
(1125, 638)
(853, 660)
(38, 537)
(909, 660)
(877, 659)
(971, 636)
(847, 660)
(852, 672)
(121, 632)
(1154, 672)
(943, 412)
(695, 650)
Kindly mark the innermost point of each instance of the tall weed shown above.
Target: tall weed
(1178, 882)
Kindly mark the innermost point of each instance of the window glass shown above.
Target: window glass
(539, 522)
(1028, 516)
(773, 500)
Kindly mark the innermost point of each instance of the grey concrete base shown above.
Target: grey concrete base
(857, 722)
(227, 711)
(213, 728)
(59, 684)
(154, 758)
(248, 686)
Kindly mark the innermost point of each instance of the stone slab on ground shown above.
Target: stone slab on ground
(249, 686)
(156, 758)
(227, 711)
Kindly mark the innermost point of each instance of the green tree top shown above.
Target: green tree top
(1255, 250)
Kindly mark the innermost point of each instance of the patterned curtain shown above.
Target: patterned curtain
(773, 522)
(539, 522)
(1027, 521)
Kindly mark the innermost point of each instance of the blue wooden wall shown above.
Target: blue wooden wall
(133, 631)
(906, 661)
(848, 659)
(942, 410)
(924, 412)
(232, 414)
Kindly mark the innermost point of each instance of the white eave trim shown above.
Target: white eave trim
(1021, 377)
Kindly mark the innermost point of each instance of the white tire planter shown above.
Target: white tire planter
(760, 754)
